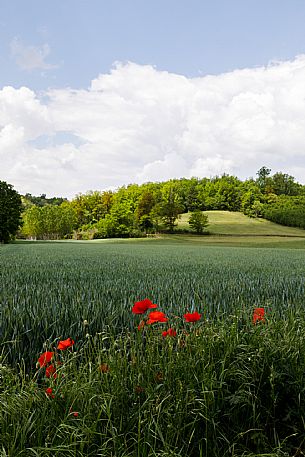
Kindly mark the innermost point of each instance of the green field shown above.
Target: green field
(49, 288)
(222, 387)
(236, 223)
(235, 229)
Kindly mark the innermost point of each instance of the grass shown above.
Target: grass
(221, 388)
(236, 224)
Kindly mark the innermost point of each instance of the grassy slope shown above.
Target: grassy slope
(235, 229)
(235, 223)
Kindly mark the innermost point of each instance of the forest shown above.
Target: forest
(136, 210)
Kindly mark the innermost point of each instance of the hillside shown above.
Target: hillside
(235, 223)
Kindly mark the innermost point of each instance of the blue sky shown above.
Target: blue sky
(192, 38)
(65, 53)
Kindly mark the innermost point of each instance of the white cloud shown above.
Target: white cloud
(31, 57)
(137, 124)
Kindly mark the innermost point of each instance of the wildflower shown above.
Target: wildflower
(258, 315)
(169, 332)
(49, 392)
(192, 317)
(104, 368)
(65, 344)
(45, 358)
(51, 372)
(140, 307)
(156, 316)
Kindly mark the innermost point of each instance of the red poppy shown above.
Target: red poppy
(258, 315)
(51, 372)
(140, 307)
(49, 392)
(192, 317)
(156, 316)
(169, 332)
(45, 358)
(65, 344)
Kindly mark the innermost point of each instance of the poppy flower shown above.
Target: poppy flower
(140, 307)
(49, 392)
(169, 332)
(51, 372)
(192, 317)
(65, 344)
(156, 316)
(45, 358)
(258, 315)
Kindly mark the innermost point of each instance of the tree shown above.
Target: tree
(198, 221)
(10, 211)
(251, 196)
(50, 221)
(263, 178)
(143, 210)
(284, 184)
(170, 206)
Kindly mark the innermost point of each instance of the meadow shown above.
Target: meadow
(221, 387)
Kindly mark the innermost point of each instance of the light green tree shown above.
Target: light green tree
(198, 221)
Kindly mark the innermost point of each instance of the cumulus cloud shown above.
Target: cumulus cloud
(139, 124)
(31, 57)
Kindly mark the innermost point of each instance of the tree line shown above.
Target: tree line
(135, 210)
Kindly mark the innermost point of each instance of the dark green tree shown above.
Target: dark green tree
(263, 178)
(10, 211)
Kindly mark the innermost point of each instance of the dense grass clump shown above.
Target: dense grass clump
(221, 387)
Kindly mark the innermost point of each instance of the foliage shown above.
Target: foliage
(49, 221)
(153, 207)
(263, 178)
(198, 221)
(251, 199)
(10, 212)
(286, 210)
(170, 206)
(42, 200)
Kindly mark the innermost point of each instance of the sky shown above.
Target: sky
(97, 94)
